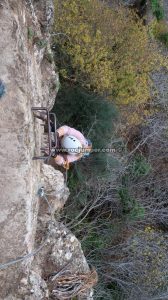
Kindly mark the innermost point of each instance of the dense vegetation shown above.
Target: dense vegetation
(159, 26)
(118, 206)
(106, 51)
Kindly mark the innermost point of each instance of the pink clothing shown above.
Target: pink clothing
(71, 131)
(61, 159)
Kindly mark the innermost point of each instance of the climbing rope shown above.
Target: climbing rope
(42, 195)
(66, 176)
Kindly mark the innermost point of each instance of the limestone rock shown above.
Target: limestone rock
(26, 85)
(38, 287)
(28, 73)
(67, 254)
(67, 250)
(45, 13)
(54, 186)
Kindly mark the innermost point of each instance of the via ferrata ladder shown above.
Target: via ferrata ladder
(51, 144)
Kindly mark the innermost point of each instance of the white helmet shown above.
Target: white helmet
(71, 144)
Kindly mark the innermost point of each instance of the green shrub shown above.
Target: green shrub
(164, 38)
(41, 43)
(30, 33)
(94, 117)
(130, 207)
(126, 200)
(159, 29)
(91, 114)
(139, 167)
(157, 9)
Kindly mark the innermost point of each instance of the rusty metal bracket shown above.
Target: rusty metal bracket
(50, 117)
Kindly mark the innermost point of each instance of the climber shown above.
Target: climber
(72, 146)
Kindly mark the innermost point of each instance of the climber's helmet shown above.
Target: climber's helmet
(71, 144)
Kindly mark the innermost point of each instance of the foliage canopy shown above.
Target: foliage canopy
(105, 50)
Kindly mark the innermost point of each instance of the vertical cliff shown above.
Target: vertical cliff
(27, 83)
(28, 78)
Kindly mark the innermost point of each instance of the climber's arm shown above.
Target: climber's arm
(63, 160)
(62, 130)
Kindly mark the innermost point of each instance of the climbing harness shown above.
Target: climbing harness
(66, 175)
(42, 195)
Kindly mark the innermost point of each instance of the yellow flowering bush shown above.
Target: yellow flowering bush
(105, 50)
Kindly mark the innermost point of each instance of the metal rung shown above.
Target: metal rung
(51, 117)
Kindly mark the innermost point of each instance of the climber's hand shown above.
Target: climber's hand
(66, 165)
(54, 154)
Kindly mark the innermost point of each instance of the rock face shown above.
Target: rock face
(45, 13)
(54, 185)
(61, 254)
(28, 79)
(22, 61)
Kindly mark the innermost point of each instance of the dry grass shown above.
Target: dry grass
(68, 285)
